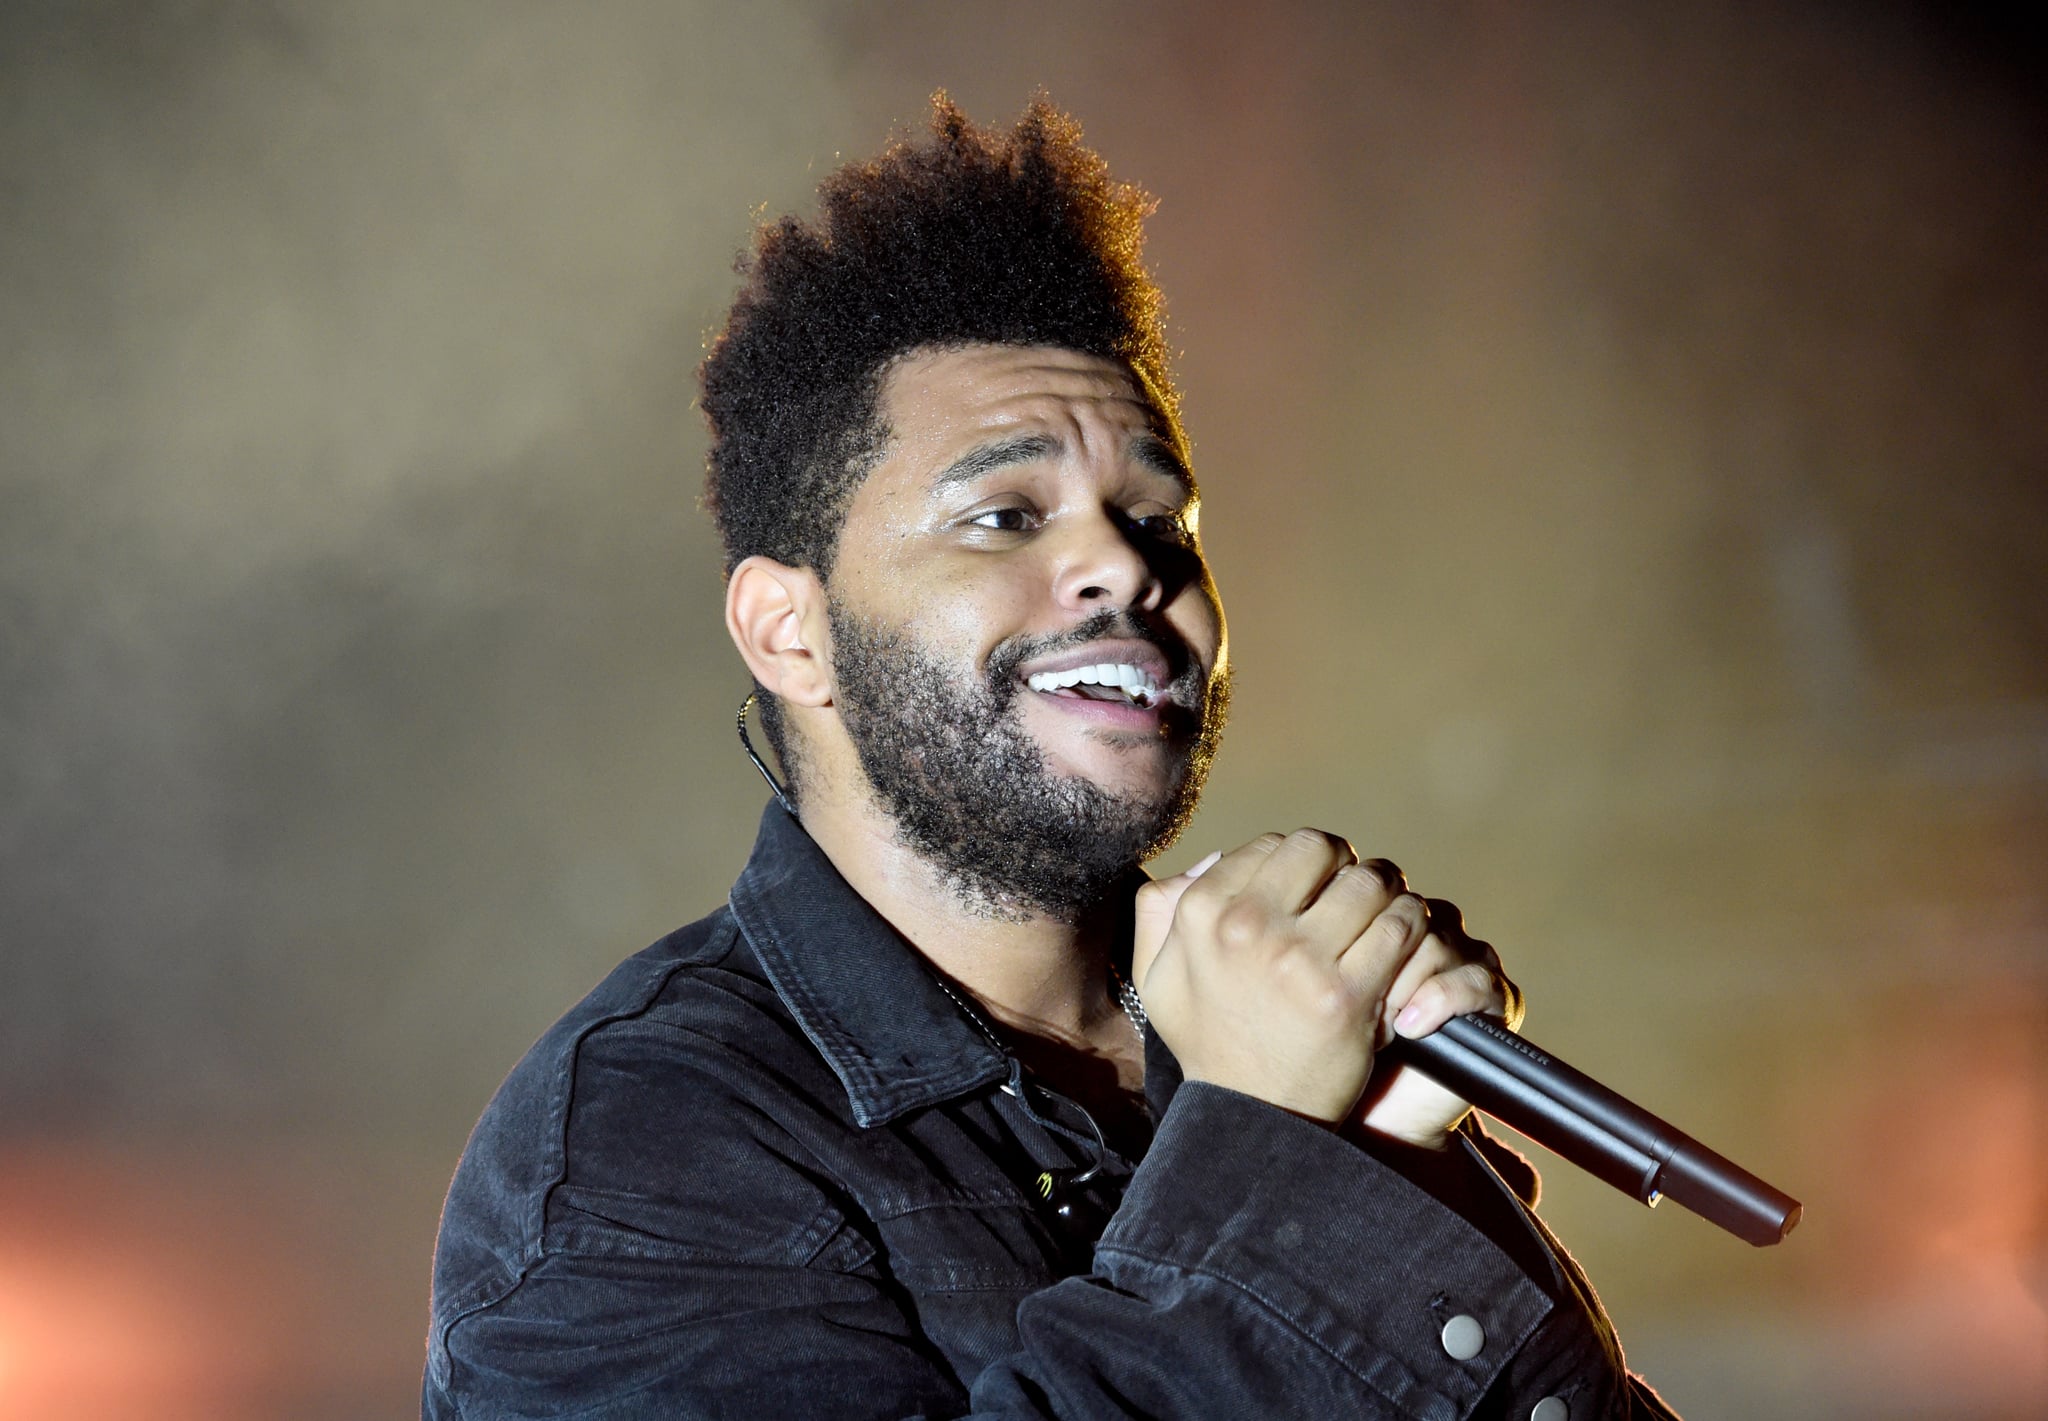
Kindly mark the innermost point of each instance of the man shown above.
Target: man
(889, 1134)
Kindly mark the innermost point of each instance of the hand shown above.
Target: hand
(1450, 974)
(1279, 969)
(1268, 970)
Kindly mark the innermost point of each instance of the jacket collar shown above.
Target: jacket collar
(864, 996)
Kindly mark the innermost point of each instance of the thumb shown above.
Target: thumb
(1154, 915)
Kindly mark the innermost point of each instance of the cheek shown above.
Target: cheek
(968, 604)
(1197, 614)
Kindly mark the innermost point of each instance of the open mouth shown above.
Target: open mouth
(1115, 681)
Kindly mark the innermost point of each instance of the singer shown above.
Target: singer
(949, 1109)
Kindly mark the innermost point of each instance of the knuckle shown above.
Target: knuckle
(1388, 873)
(1357, 881)
(1319, 841)
(1331, 1002)
(1387, 946)
(1399, 922)
(1364, 879)
(1240, 923)
(1334, 1005)
(1476, 976)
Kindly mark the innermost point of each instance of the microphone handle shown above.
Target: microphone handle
(1574, 1116)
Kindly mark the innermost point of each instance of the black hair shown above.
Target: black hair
(970, 236)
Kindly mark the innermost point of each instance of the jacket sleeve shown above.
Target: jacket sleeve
(1258, 1266)
(1262, 1266)
(636, 1231)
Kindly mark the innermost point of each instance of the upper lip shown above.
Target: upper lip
(1143, 655)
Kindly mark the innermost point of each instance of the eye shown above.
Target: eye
(1165, 527)
(1011, 519)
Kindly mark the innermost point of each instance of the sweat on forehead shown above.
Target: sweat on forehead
(1010, 411)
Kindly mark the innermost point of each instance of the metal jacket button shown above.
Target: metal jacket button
(1463, 1337)
(1551, 1408)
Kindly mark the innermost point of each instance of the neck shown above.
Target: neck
(1030, 973)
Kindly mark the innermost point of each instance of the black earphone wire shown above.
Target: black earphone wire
(747, 743)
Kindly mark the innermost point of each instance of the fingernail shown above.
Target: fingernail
(1203, 866)
(1410, 1014)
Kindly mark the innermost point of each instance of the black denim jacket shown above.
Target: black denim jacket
(769, 1169)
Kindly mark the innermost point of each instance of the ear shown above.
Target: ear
(775, 615)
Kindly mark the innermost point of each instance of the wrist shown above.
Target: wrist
(1318, 1106)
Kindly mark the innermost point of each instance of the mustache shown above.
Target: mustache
(1184, 673)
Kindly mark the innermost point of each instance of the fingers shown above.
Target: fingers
(1303, 891)
(1252, 899)
(1278, 968)
(1155, 907)
(1383, 933)
(1240, 983)
(1455, 991)
(1233, 870)
(1450, 974)
(1300, 866)
(1308, 891)
(1159, 903)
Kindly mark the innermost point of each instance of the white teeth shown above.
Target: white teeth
(1133, 681)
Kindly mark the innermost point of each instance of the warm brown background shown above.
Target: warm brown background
(1624, 443)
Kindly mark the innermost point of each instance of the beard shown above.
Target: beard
(970, 791)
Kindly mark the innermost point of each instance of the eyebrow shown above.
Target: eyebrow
(996, 454)
(1147, 449)
(1156, 454)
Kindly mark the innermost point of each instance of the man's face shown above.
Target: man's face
(1031, 520)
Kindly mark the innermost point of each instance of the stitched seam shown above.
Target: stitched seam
(1271, 1308)
(446, 1350)
(840, 1049)
(565, 1088)
(1012, 1199)
(876, 1095)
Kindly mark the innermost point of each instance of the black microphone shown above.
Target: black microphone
(1574, 1116)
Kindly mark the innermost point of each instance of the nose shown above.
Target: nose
(1103, 564)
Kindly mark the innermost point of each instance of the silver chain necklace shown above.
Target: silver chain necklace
(1126, 997)
(1048, 1181)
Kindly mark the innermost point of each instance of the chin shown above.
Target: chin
(1144, 771)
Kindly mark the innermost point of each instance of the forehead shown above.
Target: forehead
(938, 400)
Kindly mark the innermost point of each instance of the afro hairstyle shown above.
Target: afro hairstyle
(971, 236)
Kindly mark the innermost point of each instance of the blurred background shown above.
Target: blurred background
(1623, 435)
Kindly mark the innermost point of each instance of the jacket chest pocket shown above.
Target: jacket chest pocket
(965, 1268)
(964, 1247)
